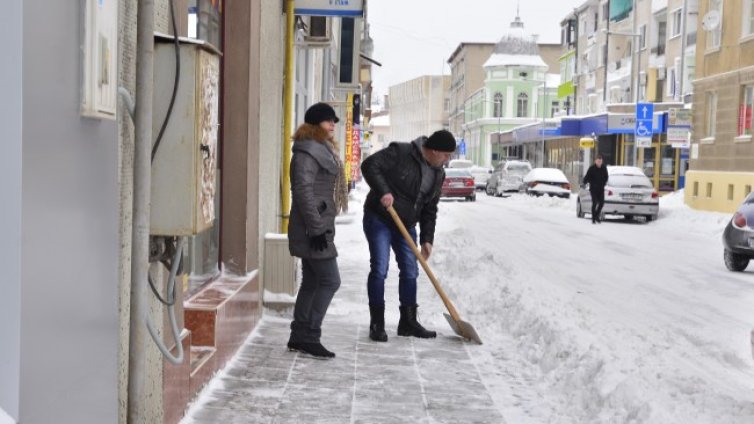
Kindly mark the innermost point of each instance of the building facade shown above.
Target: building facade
(721, 170)
(517, 90)
(467, 77)
(419, 107)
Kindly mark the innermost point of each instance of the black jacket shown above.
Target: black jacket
(596, 178)
(397, 170)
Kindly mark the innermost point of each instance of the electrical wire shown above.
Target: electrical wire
(175, 82)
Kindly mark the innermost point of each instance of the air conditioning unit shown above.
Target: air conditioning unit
(317, 32)
(661, 73)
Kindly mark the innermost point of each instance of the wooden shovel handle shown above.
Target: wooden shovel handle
(425, 265)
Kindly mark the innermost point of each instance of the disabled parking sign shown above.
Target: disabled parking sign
(644, 125)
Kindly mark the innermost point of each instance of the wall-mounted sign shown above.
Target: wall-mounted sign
(329, 7)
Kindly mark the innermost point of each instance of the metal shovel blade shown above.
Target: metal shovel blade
(463, 329)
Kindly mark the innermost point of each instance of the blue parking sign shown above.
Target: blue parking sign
(462, 147)
(644, 117)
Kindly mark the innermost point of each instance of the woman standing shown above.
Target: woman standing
(319, 192)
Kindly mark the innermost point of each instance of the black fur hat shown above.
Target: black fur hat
(441, 140)
(320, 112)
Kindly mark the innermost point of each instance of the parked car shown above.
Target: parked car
(507, 176)
(460, 163)
(738, 236)
(458, 183)
(549, 181)
(628, 192)
(481, 175)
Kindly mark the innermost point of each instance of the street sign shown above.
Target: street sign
(644, 117)
(462, 147)
(329, 7)
(679, 117)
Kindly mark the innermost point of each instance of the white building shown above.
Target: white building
(419, 107)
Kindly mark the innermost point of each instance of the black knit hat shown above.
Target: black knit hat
(441, 140)
(320, 112)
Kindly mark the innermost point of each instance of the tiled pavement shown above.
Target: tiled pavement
(405, 380)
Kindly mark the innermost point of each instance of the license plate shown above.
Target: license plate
(456, 185)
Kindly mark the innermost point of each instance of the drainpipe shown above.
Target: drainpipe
(683, 48)
(141, 205)
(287, 116)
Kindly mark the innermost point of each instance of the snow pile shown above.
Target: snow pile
(682, 217)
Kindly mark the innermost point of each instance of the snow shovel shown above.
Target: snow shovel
(460, 327)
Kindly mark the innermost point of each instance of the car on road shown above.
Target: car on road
(549, 181)
(458, 183)
(628, 192)
(738, 236)
(507, 176)
(481, 175)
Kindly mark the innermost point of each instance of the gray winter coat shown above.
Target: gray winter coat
(313, 175)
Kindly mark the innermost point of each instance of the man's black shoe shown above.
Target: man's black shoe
(315, 350)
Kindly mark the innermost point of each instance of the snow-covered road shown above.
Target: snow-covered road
(619, 322)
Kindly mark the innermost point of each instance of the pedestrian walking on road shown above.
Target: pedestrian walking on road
(408, 177)
(319, 191)
(596, 176)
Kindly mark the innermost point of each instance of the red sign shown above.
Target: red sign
(356, 153)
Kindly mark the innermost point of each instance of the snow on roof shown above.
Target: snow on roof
(499, 59)
(380, 121)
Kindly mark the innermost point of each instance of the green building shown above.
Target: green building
(517, 91)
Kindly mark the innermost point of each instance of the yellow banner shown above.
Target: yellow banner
(349, 136)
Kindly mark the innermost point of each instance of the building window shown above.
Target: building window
(675, 30)
(747, 28)
(714, 36)
(554, 108)
(711, 115)
(745, 109)
(662, 28)
(498, 111)
(522, 105)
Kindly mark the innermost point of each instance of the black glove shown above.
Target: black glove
(318, 243)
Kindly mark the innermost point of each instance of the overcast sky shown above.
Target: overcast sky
(416, 37)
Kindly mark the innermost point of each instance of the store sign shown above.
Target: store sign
(586, 143)
(679, 117)
(349, 136)
(329, 7)
(679, 137)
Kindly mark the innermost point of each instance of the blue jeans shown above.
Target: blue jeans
(381, 237)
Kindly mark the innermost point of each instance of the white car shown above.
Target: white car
(508, 175)
(481, 175)
(549, 181)
(628, 192)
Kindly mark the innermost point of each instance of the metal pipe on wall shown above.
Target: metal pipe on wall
(285, 185)
(141, 209)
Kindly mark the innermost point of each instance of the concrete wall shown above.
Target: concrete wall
(69, 308)
(11, 30)
(269, 103)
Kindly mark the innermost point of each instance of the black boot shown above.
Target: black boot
(315, 350)
(377, 323)
(409, 326)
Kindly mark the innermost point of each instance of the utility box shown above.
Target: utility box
(185, 165)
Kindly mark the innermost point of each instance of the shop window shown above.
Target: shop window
(730, 191)
(709, 190)
(696, 189)
(745, 109)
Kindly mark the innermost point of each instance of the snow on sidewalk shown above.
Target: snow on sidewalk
(405, 380)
